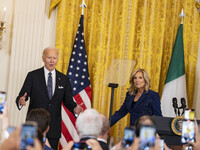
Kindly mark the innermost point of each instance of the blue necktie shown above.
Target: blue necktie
(49, 85)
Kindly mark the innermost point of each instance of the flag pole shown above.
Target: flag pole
(83, 6)
(182, 15)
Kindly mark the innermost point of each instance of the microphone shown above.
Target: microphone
(175, 105)
(183, 104)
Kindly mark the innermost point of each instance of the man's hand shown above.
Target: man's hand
(68, 146)
(22, 100)
(94, 144)
(135, 144)
(5, 120)
(13, 141)
(78, 109)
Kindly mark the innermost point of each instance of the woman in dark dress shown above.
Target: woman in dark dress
(140, 100)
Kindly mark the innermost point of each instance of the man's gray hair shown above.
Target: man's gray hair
(89, 123)
(47, 48)
(106, 124)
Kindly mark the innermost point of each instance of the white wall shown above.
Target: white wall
(6, 43)
(28, 32)
(196, 99)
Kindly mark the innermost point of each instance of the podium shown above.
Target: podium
(163, 126)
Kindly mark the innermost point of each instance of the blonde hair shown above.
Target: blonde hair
(132, 89)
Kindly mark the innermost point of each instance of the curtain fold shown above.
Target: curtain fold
(139, 30)
(53, 4)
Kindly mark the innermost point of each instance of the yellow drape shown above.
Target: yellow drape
(140, 30)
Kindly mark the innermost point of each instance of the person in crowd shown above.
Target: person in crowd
(5, 121)
(144, 120)
(48, 88)
(10, 141)
(89, 125)
(94, 144)
(40, 137)
(196, 144)
(105, 132)
(13, 142)
(42, 118)
(140, 100)
(147, 120)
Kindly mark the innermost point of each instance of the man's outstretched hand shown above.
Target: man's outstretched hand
(22, 100)
(78, 109)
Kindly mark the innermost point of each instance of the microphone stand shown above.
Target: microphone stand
(113, 86)
(178, 110)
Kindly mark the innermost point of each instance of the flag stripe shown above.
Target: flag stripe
(68, 126)
(80, 83)
(177, 65)
(175, 88)
(79, 100)
(62, 141)
(84, 95)
(175, 84)
(66, 132)
(89, 92)
(70, 115)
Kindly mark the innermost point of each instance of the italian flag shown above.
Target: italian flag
(175, 83)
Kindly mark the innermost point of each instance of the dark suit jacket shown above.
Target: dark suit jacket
(36, 89)
(104, 145)
(147, 104)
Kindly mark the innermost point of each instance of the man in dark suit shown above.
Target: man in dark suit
(48, 89)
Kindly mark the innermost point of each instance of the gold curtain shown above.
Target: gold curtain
(140, 30)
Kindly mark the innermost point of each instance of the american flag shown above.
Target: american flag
(81, 87)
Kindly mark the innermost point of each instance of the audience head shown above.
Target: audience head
(41, 117)
(106, 125)
(89, 123)
(40, 137)
(144, 120)
(132, 89)
(13, 141)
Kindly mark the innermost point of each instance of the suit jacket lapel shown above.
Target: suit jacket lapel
(43, 82)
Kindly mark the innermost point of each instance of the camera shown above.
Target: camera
(188, 131)
(2, 101)
(128, 138)
(161, 144)
(147, 136)
(28, 134)
(189, 114)
(80, 146)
